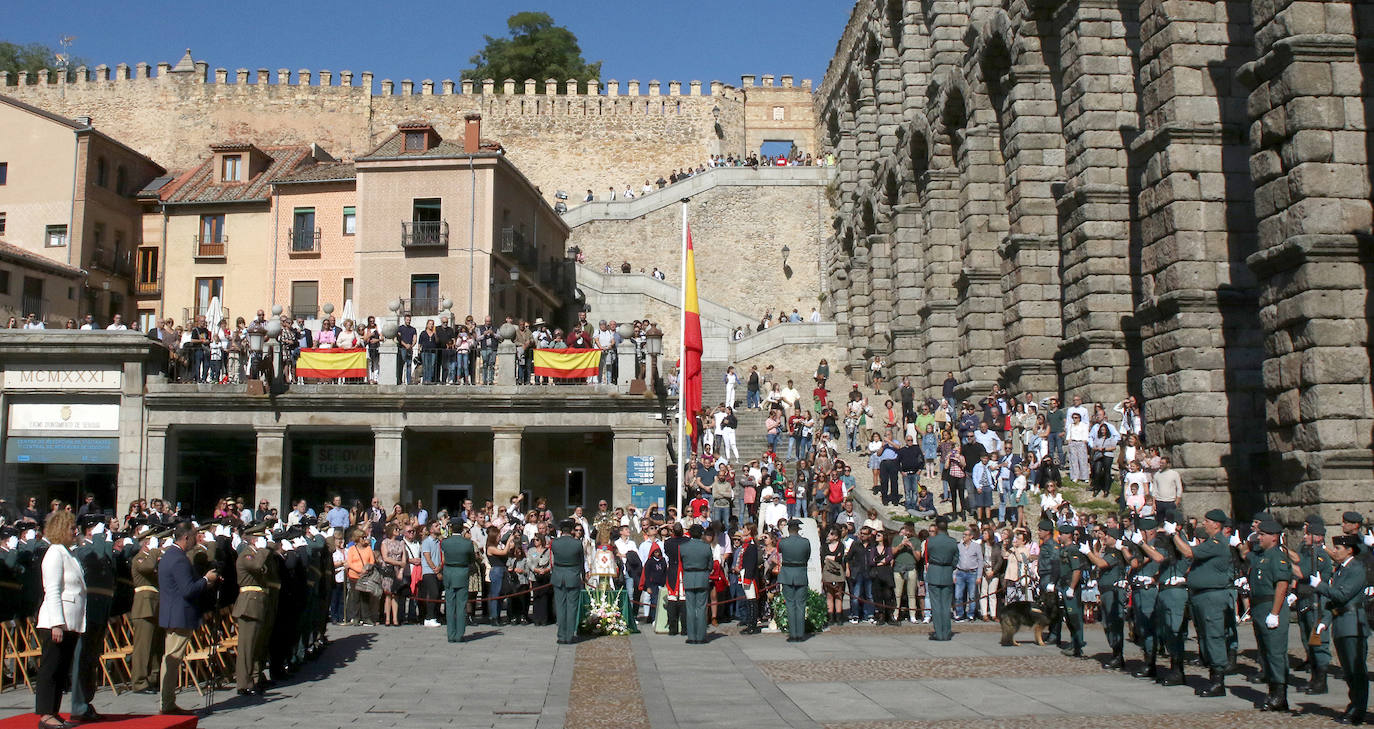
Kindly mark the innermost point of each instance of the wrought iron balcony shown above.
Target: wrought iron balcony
(424, 234)
(148, 288)
(213, 248)
(304, 240)
(420, 307)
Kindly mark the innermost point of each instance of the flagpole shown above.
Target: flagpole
(682, 366)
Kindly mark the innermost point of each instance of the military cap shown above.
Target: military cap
(1146, 523)
(89, 520)
(8, 531)
(794, 523)
(310, 521)
(1262, 516)
(159, 534)
(1315, 524)
(1113, 532)
(1217, 515)
(1269, 526)
(1065, 526)
(566, 525)
(256, 529)
(1046, 525)
(1350, 541)
(1353, 517)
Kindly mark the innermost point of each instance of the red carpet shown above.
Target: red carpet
(114, 721)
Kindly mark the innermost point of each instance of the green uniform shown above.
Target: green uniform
(569, 561)
(1111, 585)
(11, 571)
(1071, 560)
(96, 556)
(1172, 607)
(250, 611)
(1268, 570)
(695, 558)
(942, 553)
(460, 554)
(1144, 582)
(143, 669)
(795, 551)
(1047, 576)
(1312, 610)
(1350, 628)
(1209, 583)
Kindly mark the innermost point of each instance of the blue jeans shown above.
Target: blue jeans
(336, 602)
(911, 482)
(773, 442)
(751, 399)
(720, 515)
(852, 440)
(451, 366)
(461, 367)
(1056, 447)
(861, 587)
(965, 593)
(403, 365)
(498, 578)
(429, 359)
(200, 364)
(488, 367)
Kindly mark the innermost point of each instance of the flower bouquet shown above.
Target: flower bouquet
(816, 619)
(603, 614)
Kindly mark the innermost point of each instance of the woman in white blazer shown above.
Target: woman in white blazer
(61, 618)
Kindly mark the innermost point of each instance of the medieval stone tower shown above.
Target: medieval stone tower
(1163, 198)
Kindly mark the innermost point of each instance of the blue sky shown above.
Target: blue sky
(642, 39)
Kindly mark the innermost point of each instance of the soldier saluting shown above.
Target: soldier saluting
(1345, 593)
(96, 555)
(250, 610)
(143, 669)
(1209, 576)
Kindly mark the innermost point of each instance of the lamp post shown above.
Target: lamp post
(785, 252)
(653, 346)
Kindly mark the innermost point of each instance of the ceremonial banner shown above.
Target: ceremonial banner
(691, 345)
(567, 363)
(332, 363)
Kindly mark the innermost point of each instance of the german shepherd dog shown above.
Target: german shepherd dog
(1036, 615)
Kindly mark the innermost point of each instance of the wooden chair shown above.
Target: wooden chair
(23, 646)
(228, 644)
(118, 647)
(202, 653)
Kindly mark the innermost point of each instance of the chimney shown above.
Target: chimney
(472, 133)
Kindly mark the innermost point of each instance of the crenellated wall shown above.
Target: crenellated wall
(564, 135)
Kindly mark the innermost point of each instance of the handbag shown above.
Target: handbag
(370, 581)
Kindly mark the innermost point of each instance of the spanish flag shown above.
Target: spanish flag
(691, 345)
(567, 363)
(331, 364)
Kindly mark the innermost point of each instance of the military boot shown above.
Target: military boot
(1216, 684)
(1117, 662)
(1317, 685)
(1175, 676)
(1149, 670)
(1278, 698)
(1230, 661)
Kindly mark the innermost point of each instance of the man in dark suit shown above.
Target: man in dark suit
(746, 566)
(569, 562)
(695, 558)
(178, 608)
(673, 605)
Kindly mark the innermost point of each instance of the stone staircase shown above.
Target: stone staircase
(750, 436)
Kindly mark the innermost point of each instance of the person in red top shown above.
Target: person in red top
(834, 495)
(699, 506)
(820, 394)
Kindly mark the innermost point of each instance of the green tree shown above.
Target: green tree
(32, 57)
(536, 49)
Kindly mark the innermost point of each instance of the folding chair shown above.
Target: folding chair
(201, 652)
(118, 648)
(24, 638)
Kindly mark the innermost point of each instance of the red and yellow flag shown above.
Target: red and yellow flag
(567, 363)
(691, 345)
(332, 363)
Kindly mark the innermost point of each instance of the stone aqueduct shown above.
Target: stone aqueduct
(1165, 198)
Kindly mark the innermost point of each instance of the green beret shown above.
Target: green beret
(1046, 525)
(1353, 517)
(1217, 515)
(1269, 526)
(1113, 532)
(1315, 524)
(1146, 523)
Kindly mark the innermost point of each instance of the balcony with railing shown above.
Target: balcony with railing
(148, 288)
(36, 305)
(101, 260)
(213, 247)
(305, 241)
(422, 234)
(420, 307)
(189, 314)
(515, 246)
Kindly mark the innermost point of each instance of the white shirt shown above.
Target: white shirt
(1078, 431)
(815, 316)
(1050, 502)
(989, 440)
(625, 546)
(1082, 411)
(112, 327)
(34, 325)
(89, 326)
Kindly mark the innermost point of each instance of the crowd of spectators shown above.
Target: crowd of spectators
(793, 158)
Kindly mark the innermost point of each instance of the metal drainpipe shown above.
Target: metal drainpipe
(276, 222)
(472, 235)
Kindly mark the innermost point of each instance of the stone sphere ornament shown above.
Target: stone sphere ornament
(273, 328)
(276, 310)
(394, 305)
(507, 331)
(389, 330)
(328, 308)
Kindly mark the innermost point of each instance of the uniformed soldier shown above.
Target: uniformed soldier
(96, 554)
(1209, 580)
(1352, 525)
(251, 611)
(673, 604)
(569, 563)
(31, 553)
(1346, 594)
(1111, 585)
(746, 559)
(11, 572)
(323, 549)
(795, 551)
(271, 583)
(1144, 592)
(457, 557)
(941, 554)
(1169, 625)
(1270, 576)
(1047, 572)
(1312, 559)
(1073, 577)
(696, 584)
(143, 667)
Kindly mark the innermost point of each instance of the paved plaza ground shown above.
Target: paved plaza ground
(852, 677)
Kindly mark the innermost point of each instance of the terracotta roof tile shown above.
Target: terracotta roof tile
(201, 185)
(26, 256)
(324, 172)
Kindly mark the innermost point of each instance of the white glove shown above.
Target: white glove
(1315, 579)
(1290, 599)
(1049, 587)
(1235, 540)
(1176, 580)
(1271, 621)
(1121, 585)
(235, 542)
(260, 543)
(12, 542)
(1241, 582)
(1146, 581)
(1084, 548)
(1170, 527)
(1369, 540)
(1092, 584)
(1068, 592)
(1137, 537)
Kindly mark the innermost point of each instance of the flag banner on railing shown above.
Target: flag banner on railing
(567, 362)
(332, 363)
